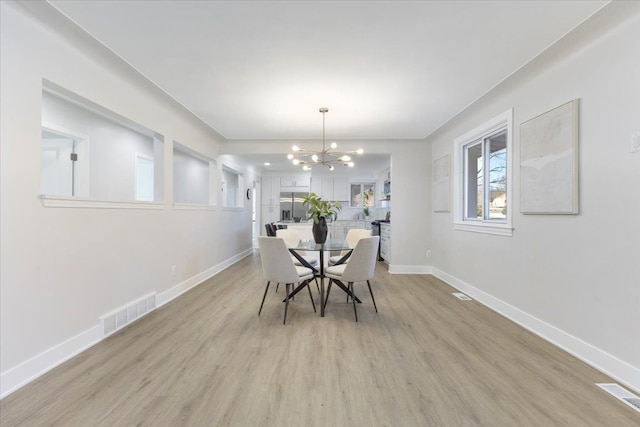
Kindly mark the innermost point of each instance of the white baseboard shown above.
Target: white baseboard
(180, 288)
(604, 362)
(19, 376)
(410, 269)
(22, 374)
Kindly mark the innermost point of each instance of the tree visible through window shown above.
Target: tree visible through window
(489, 153)
(362, 195)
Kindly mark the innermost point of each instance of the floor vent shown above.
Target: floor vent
(622, 394)
(461, 296)
(123, 316)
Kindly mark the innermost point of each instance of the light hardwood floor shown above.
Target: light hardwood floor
(426, 359)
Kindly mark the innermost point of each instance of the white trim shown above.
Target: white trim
(410, 269)
(88, 105)
(620, 393)
(63, 131)
(193, 207)
(487, 227)
(22, 374)
(14, 378)
(233, 209)
(180, 288)
(597, 358)
(85, 202)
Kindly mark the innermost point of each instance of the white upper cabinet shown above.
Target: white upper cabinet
(316, 187)
(295, 181)
(270, 190)
(341, 189)
(329, 188)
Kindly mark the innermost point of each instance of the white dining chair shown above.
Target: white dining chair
(278, 267)
(291, 238)
(360, 268)
(352, 238)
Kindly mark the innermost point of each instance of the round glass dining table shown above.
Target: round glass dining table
(338, 245)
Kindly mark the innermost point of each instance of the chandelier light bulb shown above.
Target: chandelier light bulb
(329, 157)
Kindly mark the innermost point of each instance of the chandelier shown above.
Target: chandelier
(327, 157)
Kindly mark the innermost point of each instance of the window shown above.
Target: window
(192, 177)
(362, 195)
(232, 188)
(91, 155)
(482, 174)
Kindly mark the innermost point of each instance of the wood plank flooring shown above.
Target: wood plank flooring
(426, 359)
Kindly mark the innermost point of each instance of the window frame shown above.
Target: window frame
(503, 227)
(239, 202)
(361, 184)
(212, 176)
(83, 196)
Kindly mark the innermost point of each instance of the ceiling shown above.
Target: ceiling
(386, 69)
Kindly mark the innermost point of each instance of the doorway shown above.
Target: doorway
(64, 159)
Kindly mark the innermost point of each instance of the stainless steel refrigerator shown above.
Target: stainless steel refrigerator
(291, 208)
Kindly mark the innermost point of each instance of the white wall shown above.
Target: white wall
(62, 268)
(578, 273)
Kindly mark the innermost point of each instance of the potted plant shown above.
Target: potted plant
(320, 210)
(366, 212)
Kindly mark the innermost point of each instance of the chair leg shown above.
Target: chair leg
(317, 286)
(277, 284)
(311, 296)
(355, 311)
(286, 306)
(263, 297)
(327, 297)
(372, 298)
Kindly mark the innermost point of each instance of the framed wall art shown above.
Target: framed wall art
(549, 162)
(440, 184)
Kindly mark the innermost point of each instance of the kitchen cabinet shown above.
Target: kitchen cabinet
(270, 190)
(269, 214)
(330, 188)
(385, 175)
(339, 229)
(296, 181)
(270, 201)
(341, 189)
(385, 241)
(323, 187)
